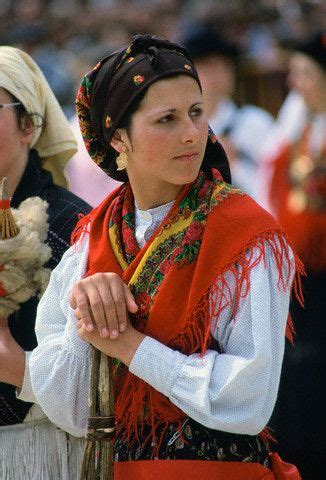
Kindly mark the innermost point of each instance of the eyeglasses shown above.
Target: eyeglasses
(4, 105)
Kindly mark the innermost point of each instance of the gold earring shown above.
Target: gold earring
(122, 159)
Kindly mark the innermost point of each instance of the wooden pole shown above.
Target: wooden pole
(98, 455)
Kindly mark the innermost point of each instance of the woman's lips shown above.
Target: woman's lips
(187, 156)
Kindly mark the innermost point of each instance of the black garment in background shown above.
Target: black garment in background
(63, 211)
(300, 408)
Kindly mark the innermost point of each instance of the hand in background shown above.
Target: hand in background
(12, 357)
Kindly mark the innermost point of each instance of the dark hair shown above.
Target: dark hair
(22, 115)
(203, 41)
(125, 122)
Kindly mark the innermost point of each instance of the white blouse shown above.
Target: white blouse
(233, 391)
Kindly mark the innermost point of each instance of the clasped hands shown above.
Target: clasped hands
(102, 303)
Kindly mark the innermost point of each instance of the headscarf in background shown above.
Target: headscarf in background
(54, 140)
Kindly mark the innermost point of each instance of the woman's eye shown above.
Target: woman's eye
(196, 112)
(166, 119)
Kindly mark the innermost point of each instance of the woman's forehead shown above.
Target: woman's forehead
(169, 92)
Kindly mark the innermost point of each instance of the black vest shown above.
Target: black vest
(64, 208)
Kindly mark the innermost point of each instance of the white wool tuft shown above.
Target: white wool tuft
(23, 257)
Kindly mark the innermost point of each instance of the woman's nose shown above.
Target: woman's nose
(191, 132)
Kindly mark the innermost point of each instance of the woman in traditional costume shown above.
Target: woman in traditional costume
(177, 275)
(297, 197)
(35, 143)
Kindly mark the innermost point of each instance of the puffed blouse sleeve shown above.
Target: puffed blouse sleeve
(233, 390)
(60, 364)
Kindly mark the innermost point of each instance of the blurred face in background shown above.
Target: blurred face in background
(217, 77)
(308, 79)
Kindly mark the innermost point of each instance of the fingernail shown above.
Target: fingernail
(122, 327)
(89, 327)
(114, 334)
(105, 333)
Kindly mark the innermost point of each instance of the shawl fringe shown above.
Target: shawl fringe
(196, 336)
(82, 227)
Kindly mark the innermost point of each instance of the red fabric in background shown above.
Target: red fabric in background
(306, 229)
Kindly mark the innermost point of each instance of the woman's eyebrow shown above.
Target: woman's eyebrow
(159, 112)
(172, 110)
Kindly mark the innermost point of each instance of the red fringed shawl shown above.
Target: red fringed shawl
(177, 274)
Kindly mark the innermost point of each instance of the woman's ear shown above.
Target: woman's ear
(120, 141)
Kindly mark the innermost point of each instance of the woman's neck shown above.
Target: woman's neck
(147, 197)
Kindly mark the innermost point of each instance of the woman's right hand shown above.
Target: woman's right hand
(103, 301)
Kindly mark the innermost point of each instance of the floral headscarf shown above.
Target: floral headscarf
(116, 82)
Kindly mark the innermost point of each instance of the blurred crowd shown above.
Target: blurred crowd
(245, 62)
(66, 36)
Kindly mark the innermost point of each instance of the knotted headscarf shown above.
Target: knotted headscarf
(117, 82)
(53, 137)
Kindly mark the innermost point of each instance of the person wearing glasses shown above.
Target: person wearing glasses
(179, 276)
(35, 143)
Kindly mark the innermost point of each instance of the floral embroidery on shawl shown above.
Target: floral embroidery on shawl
(177, 243)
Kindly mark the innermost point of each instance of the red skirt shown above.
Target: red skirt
(205, 470)
(190, 470)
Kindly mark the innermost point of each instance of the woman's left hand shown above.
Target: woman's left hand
(123, 348)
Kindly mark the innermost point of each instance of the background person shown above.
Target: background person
(297, 197)
(35, 143)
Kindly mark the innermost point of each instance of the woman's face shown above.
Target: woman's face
(308, 79)
(168, 137)
(217, 76)
(13, 142)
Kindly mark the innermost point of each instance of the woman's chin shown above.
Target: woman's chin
(189, 175)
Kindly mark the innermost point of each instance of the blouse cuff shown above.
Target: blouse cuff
(157, 365)
(26, 393)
